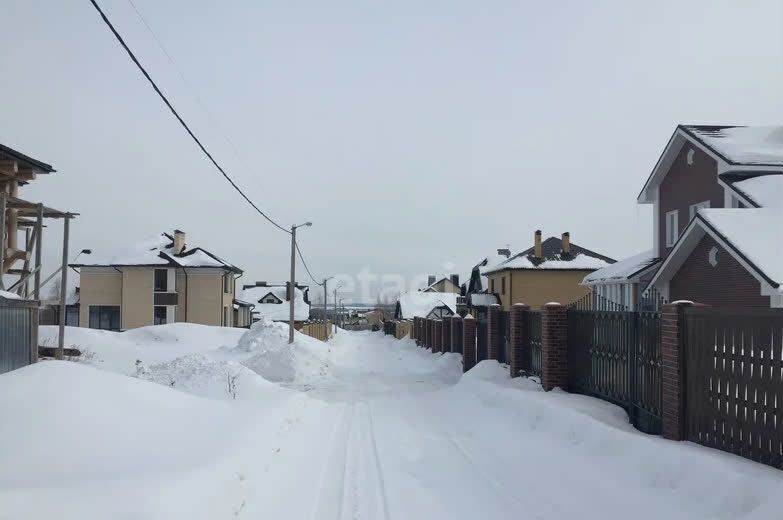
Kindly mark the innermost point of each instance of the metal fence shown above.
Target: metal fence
(535, 343)
(616, 356)
(18, 333)
(733, 363)
(504, 336)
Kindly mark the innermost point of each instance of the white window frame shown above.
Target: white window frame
(672, 227)
(694, 208)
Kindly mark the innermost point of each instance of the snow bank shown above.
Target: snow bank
(266, 351)
(64, 422)
(565, 434)
(205, 376)
(119, 351)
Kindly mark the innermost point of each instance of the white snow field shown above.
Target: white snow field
(222, 424)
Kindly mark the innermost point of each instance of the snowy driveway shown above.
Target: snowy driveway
(364, 427)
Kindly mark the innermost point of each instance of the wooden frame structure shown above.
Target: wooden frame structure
(17, 169)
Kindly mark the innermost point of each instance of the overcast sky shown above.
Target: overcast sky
(417, 136)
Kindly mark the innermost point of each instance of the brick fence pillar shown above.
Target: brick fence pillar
(520, 339)
(554, 346)
(456, 334)
(446, 335)
(437, 344)
(672, 383)
(468, 343)
(493, 331)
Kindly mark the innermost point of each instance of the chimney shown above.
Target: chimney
(537, 245)
(179, 241)
(504, 252)
(430, 280)
(565, 240)
(455, 279)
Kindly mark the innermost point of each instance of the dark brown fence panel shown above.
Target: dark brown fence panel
(481, 340)
(504, 336)
(535, 343)
(616, 356)
(734, 382)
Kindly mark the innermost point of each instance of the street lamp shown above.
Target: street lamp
(292, 287)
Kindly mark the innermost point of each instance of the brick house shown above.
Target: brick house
(551, 270)
(717, 196)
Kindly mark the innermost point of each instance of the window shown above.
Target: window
(161, 280)
(672, 229)
(227, 282)
(159, 315)
(694, 208)
(105, 317)
(492, 285)
(503, 285)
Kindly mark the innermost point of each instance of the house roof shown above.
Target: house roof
(625, 269)
(739, 147)
(158, 251)
(763, 191)
(745, 145)
(277, 311)
(38, 166)
(413, 304)
(750, 235)
(445, 278)
(552, 257)
(482, 299)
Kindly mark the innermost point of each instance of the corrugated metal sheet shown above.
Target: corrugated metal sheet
(18, 334)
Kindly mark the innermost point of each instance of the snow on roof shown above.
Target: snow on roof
(9, 295)
(413, 304)
(766, 190)
(276, 311)
(753, 145)
(755, 233)
(158, 250)
(579, 261)
(482, 299)
(552, 258)
(623, 269)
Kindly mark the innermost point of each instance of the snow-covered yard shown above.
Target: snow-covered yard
(214, 423)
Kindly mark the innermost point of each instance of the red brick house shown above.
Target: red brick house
(717, 196)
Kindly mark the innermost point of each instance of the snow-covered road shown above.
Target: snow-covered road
(364, 427)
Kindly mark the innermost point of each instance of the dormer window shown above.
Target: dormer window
(270, 298)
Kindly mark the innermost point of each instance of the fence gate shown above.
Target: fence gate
(481, 340)
(733, 360)
(535, 343)
(504, 336)
(616, 356)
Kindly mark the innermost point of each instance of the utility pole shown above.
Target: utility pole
(292, 284)
(335, 310)
(326, 332)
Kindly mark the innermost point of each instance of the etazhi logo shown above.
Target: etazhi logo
(712, 256)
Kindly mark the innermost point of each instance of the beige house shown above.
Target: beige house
(444, 285)
(156, 282)
(550, 271)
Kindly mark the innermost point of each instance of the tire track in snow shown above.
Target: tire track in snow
(377, 461)
(329, 503)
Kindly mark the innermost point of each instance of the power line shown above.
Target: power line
(179, 118)
(217, 125)
(301, 257)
